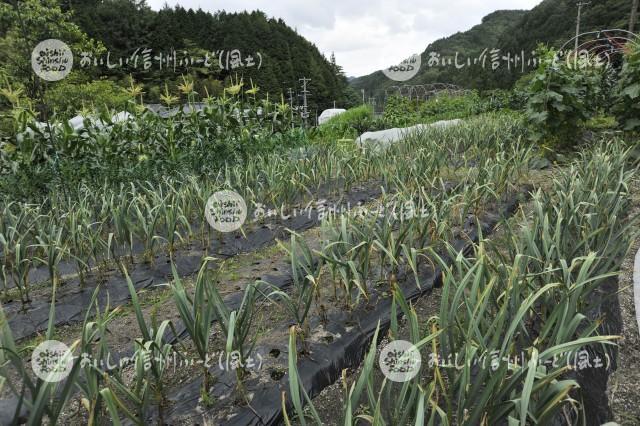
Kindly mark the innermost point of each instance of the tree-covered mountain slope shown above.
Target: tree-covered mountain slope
(501, 37)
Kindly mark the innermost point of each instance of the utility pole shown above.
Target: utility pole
(290, 90)
(580, 4)
(363, 97)
(334, 104)
(305, 93)
(634, 15)
(291, 104)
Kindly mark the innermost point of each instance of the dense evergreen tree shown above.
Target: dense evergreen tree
(125, 25)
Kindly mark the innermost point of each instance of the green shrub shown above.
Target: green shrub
(400, 112)
(601, 122)
(403, 112)
(562, 96)
(447, 107)
(349, 124)
(66, 98)
(627, 107)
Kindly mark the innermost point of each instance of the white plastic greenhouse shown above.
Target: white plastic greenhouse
(327, 114)
(383, 138)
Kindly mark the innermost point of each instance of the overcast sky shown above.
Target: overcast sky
(367, 35)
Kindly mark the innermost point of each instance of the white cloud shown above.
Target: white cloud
(367, 36)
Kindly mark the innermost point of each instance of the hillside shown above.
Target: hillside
(552, 22)
(468, 43)
(126, 25)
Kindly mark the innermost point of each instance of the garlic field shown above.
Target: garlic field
(167, 320)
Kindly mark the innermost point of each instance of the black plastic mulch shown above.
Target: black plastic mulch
(72, 300)
(350, 332)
